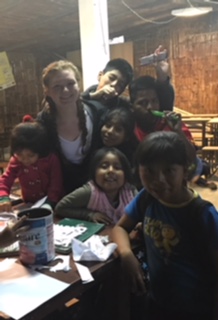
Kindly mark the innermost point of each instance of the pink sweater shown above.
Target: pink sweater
(99, 201)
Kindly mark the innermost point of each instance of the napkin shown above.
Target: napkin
(63, 235)
(92, 249)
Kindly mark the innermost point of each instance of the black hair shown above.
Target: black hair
(101, 153)
(127, 119)
(142, 83)
(162, 146)
(31, 136)
(125, 116)
(122, 66)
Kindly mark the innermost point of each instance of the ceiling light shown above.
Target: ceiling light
(191, 11)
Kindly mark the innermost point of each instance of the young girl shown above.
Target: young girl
(105, 196)
(38, 171)
(71, 124)
(181, 236)
(118, 131)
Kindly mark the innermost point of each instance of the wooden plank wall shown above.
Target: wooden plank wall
(193, 50)
(26, 96)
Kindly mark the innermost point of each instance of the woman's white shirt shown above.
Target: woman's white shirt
(74, 151)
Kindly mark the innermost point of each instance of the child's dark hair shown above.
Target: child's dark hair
(162, 146)
(127, 120)
(142, 83)
(125, 116)
(31, 136)
(101, 153)
(121, 65)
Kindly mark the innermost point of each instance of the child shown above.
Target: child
(104, 197)
(118, 131)
(37, 170)
(145, 100)
(180, 232)
(163, 99)
(112, 81)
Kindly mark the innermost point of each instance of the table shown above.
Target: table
(100, 271)
(198, 120)
(201, 115)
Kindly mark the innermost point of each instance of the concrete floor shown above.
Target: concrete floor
(206, 193)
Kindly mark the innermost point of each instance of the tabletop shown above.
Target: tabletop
(99, 271)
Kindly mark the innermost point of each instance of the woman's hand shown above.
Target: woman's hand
(133, 273)
(100, 218)
(12, 232)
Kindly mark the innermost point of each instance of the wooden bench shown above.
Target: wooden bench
(210, 154)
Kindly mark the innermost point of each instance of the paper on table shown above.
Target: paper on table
(92, 249)
(25, 288)
(63, 265)
(84, 273)
(39, 203)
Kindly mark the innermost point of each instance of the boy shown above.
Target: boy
(145, 97)
(180, 235)
(112, 81)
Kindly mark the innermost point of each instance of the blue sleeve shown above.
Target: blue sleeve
(132, 209)
(210, 220)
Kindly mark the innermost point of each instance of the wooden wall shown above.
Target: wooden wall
(193, 50)
(26, 96)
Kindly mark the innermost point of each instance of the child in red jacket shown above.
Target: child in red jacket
(38, 170)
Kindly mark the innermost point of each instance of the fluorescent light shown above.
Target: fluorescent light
(191, 11)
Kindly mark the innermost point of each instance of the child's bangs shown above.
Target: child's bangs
(164, 155)
(165, 148)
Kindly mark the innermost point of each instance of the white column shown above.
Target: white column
(93, 19)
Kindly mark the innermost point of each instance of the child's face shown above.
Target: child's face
(113, 78)
(163, 181)
(113, 133)
(145, 102)
(109, 174)
(63, 88)
(27, 157)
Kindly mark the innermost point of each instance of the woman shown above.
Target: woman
(71, 123)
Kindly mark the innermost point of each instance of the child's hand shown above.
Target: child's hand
(101, 218)
(162, 67)
(12, 232)
(5, 206)
(173, 120)
(133, 273)
(107, 92)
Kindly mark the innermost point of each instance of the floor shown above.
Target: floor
(208, 194)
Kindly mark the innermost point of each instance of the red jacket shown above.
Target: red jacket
(161, 125)
(44, 178)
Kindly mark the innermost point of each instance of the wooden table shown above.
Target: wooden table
(213, 123)
(100, 271)
(198, 121)
(200, 115)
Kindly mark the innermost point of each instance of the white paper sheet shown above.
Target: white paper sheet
(84, 273)
(39, 203)
(22, 290)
